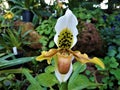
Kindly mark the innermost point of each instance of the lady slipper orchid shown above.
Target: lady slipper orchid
(65, 38)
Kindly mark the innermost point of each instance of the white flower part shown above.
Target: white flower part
(69, 21)
(63, 77)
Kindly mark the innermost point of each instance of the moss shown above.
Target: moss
(89, 40)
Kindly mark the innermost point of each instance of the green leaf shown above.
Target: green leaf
(116, 41)
(2, 78)
(81, 82)
(46, 79)
(49, 69)
(113, 62)
(6, 63)
(51, 44)
(19, 70)
(119, 84)
(33, 87)
(32, 80)
(26, 33)
(118, 55)
(116, 73)
(77, 69)
(77, 65)
(87, 72)
(82, 16)
(47, 32)
(89, 16)
(118, 49)
(111, 52)
(1, 47)
(63, 86)
(6, 56)
(51, 35)
(44, 40)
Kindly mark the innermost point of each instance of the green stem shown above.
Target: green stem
(31, 79)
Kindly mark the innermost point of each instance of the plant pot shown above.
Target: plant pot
(27, 16)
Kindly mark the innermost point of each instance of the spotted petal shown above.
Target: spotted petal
(83, 58)
(47, 55)
(68, 23)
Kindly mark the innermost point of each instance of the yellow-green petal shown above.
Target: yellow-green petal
(83, 58)
(47, 55)
(97, 61)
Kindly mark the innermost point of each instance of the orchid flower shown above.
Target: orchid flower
(65, 38)
(8, 15)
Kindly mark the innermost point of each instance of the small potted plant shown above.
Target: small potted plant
(13, 41)
(26, 7)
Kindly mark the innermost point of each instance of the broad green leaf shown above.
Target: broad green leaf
(81, 82)
(63, 86)
(49, 69)
(78, 64)
(76, 71)
(46, 79)
(33, 87)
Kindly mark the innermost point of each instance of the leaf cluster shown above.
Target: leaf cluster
(47, 32)
(77, 81)
(13, 38)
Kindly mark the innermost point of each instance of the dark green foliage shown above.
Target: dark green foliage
(111, 36)
(47, 32)
(111, 33)
(13, 38)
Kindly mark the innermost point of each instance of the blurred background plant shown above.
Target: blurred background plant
(13, 38)
(47, 32)
(38, 9)
(111, 35)
(25, 9)
(10, 37)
